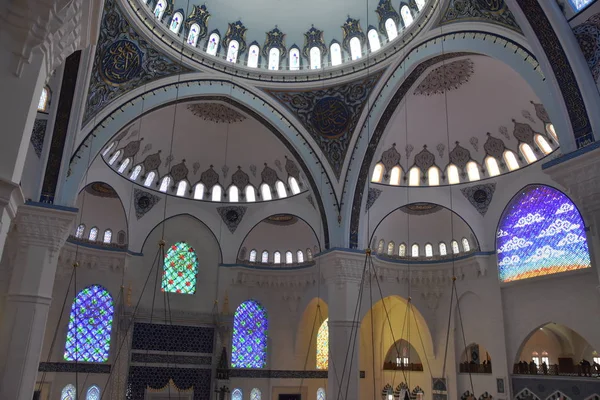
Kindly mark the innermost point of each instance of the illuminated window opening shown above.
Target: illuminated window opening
(265, 257)
(433, 176)
(234, 194)
(114, 158)
(407, 17)
(428, 250)
(232, 51)
(315, 58)
(93, 234)
(492, 166)
(289, 257)
(136, 172)
(253, 56)
(181, 188)
(250, 194)
(336, 54)
(193, 36)
(455, 248)
(391, 29)
(443, 250)
(274, 59)
(176, 22)
(199, 191)
(374, 42)
(466, 245)
(80, 230)
(107, 236)
(415, 250)
(380, 246)
(252, 257)
(124, 165)
(543, 144)
(281, 192)
(44, 100)
(216, 193)
(390, 248)
(395, 176)
(300, 256)
(277, 257)
(149, 179)
(402, 250)
(527, 153)
(453, 175)
(294, 60)
(511, 160)
(294, 185)
(550, 129)
(213, 44)
(355, 48)
(473, 171)
(265, 192)
(414, 176)
(377, 173)
(164, 184)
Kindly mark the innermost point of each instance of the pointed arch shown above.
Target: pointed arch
(181, 188)
(473, 171)
(93, 393)
(414, 252)
(274, 55)
(193, 35)
(374, 42)
(300, 256)
(428, 250)
(355, 48)
(511, 160)
(315, 58)
(255, 394)
(377, 173)
(323, 345)
(80, 231)
(265, 192)
(90, 326)
(321, 395)
(295, 188)
(180, 269)
(443, 250)
(391, 29)
(281, 192)
(543, 144)
(250, 194)
(289, 258)
(216, 193)
(93, 234)
(402, 250)
(236, 394)
(249, 341)
(68, 393)
(213, 44)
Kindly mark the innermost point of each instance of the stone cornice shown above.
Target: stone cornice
(90, 258)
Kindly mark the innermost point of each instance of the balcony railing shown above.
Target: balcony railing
(557, 370)
(475, 368)
(392, 366)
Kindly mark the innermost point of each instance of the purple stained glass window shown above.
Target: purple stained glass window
(541, 232)
(249, 345)
(90, 324)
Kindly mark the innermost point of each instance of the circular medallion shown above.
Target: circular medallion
(330, 117)
(232, 216)
(121, 62)
(143, 202)
(480, 196)
(491, 5)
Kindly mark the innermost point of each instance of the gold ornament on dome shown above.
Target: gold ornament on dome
(215, 112)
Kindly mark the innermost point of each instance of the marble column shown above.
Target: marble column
(41, 232)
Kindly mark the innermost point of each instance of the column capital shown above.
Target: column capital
(41, 225)
(342, 267)
(11, 197)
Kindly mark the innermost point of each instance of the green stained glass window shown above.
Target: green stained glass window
(180, 269)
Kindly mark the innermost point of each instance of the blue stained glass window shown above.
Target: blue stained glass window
(68, 393)
(255, 394)
(321, 394)
(579, 5)
(249, 344)
(236, 394)
(93, 393)
(540, 233)
(90, 325)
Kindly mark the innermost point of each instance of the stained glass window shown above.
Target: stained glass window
(336, 54)
(93, 393)
(455, 249)
(415, 250)
(159, 10)
(579, 5)
(232, 51)
(274, 59)
(68, 393)
(300, 256)
(402, 250)
(93, 234)
(80, 230)
(541, 232)
(236, 394)
(249, 343)
(90, 324)
(407, 17)
(193, 35)
(176, 22)
(288, 257)
(428, 250)
(213, 44)
(355, 48)
(323, 345)
(391, 29)
(374, 42)
(255, 394)
(180, 269)
(315, 58)
(253, 56)
(321, 394)
(443, 251)
(265, 257)
(277, 257)
(252, 256)
(466, 245)
(420, 4)
(294, 59)
(43, 103)
(107, 236)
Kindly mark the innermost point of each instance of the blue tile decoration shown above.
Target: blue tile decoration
(493, 12)
(372, 197)
(588, 36)
(37, 135)
(124, 60)
(87, 368)
(544, 387)
(170, 359)
(330, 115)
(179, 338)
(141, 377)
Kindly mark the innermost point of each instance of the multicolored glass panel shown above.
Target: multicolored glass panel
(323, 345)
(236, 394)
(180, 269)
(68, 393)
(90, 325)
(93, 393)
(249, 345)
(321, 394)
(541, 232)
(255, 394)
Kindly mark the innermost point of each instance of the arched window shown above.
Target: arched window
(511, 160)
(294, 185)
(300, 256)
(80, 230)
(265, 192)
(249, 341)
(395, 176)
(541, 232)
(213, 44)
(252, 257)
(402, 250)
(433, 176)
(232, 51)
(121, 237)
(390, 248)
(180, 269)
(136, 172)
(108, 149)
(455, 249)
(294, 59)
(93, 234)
(453, 176)
(466, 246)
(68, 393)
(234, 194)
(527, 152)
(265, 257)
(114, 158)
(550, 129)
(176, 22)
(391, 29)
(321, 394)
(355, 48)
(149, 179)
(281, 192)
(428, 250)
(192, 39)
(216, 193)
(414, 176)
(199, 191)
(124, 165)
(315, 58)
(277, 257)
(107, 236)
(253, 56)
(288, 257)
(274, 59)
(443, 250)
(44, 100)
(236, 394)
(407, 17)
(336, 54)
(492, 166)
(415, 250)
(160, 8)
(374, 42)
(543, 144)
(420, 4)
(309, 254)
(255, 394)
(250, 194)
(377, 173)
(473, 171)
(164, 184)
(181, 188)
(380, 246)
(93, 393)
(323, 345)
(90, 325)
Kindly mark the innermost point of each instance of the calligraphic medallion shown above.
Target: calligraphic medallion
(491, 5)
(331, 117)
(121, 62)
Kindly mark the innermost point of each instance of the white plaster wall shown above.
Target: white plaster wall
(101, 212)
